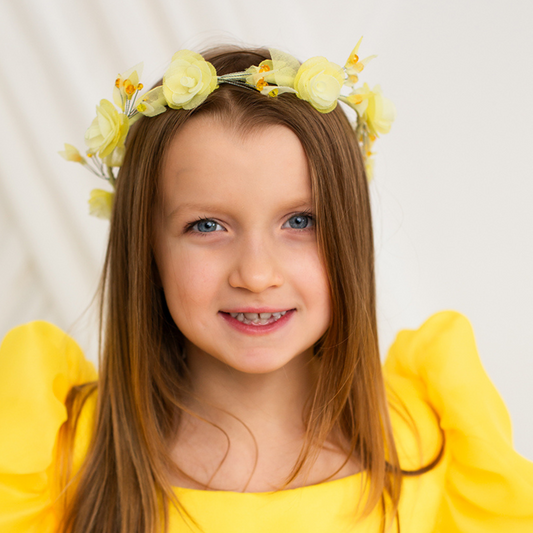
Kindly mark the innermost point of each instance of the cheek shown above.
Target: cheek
(189, 281)
(309, 273)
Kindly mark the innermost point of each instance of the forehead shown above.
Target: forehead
(209, 162)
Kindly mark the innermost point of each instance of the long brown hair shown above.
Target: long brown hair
(123, 485)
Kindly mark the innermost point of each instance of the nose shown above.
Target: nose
(256, 267)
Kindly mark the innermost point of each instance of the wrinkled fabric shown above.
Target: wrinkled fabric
(440, 399)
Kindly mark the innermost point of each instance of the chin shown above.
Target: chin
(265, 361)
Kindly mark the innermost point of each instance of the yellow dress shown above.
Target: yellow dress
(480, 485)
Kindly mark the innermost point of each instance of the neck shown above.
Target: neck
(266, 403)
(244, 432)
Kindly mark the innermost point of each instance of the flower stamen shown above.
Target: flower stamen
(129, 88)
(261, 84)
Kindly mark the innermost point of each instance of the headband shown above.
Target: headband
(190, 79)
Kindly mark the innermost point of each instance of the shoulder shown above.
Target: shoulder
(417, 376)
(441, 396)
(39, 365)
(444, 335)
(439, 364)
(40, 347)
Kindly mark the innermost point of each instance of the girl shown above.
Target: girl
(240, 385)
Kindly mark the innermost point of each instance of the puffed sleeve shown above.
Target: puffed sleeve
(39, 364)
(487, 485)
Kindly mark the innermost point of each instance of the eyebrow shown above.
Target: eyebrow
(193, 206)
(300, 203)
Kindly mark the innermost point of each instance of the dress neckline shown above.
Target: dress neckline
(352, 478)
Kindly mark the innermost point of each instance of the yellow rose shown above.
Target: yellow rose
(108, 130)
(319, 82)
(189, 80)
(101, 203)
(377, 111)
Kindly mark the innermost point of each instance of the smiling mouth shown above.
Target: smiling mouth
(257, 319)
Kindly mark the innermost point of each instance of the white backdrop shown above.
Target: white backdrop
(453, 192)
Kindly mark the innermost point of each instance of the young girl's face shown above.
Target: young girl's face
(234, 234)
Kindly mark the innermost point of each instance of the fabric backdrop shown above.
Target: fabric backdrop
(453, 189)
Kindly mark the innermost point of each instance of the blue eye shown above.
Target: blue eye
(301, 221)
(205, 225)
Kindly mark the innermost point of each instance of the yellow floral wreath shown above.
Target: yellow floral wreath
(189, 80)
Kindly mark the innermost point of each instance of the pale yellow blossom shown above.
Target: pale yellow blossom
(281, 70)
(126, 85)
(285, 67)
(374, 109)
(189, 80)
(260, 75)
(107, 131)
(152, 103)
(101, 203)
(354, 65)
(319, 82)
(71, 153)
(116, 157)
(366, 143)
(274, 90)
(369, 167)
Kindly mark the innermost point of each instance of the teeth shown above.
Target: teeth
(257, 316)
(258, 319)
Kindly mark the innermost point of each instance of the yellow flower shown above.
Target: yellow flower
(369, 168)
(273, 90)
(152, 103)
(280, 70)
(319, 82)
(374, 109)
(285, 68)
(71, 153)
(107, 131)
(126, 85)
(189, 80)
(366, 142)
(354, 65)
(116, 157)
(101, 203)
(261, 75)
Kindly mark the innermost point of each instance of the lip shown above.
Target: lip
(257, 330)
(257, 310)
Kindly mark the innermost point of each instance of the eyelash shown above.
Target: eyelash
(190, 225)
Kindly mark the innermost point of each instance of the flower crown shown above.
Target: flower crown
(190, 79)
